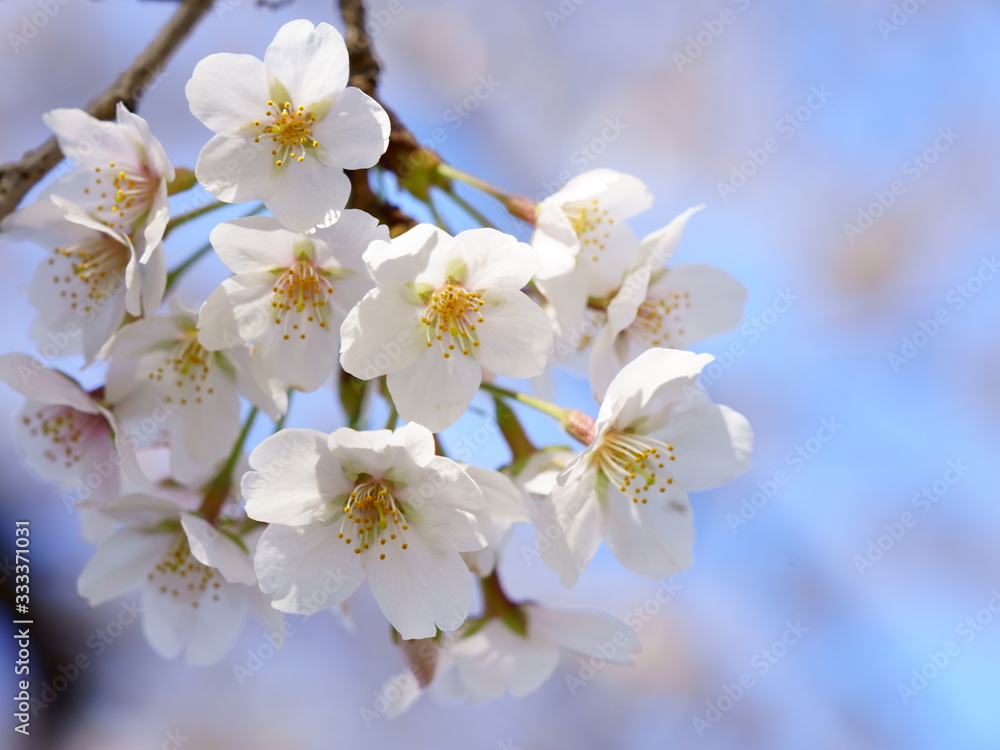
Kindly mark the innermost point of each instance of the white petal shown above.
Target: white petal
(228, 92)
(29, 377)
(237, 312)
(654, 539)
(211, 547)
(85, 139)
(666, 375)
(166, 622)
(341, 245)
(590, 634)
(120, 564)
(406, 257)
(310, 62)
(235, 169)
(658, 247)
(494, 260)
(378, 335)
(354, 133)
(448, 501)
(308, 193)
(255, 243)
(294, 478)
(712, 444)
(421, 588)
(705, 302)
(435, 391)
(216, 625)
(621, 194)
(306, 568)
(569, 528)
(515, 336)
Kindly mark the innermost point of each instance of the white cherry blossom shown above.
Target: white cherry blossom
(290, 294)
(583, 242)
(286, 126)
(376, 504)
(65, 434)
(196, 581)
(657, 436)
(445, 308)
(122, 174)
(663, 307)
(157, 365)
(91, 279)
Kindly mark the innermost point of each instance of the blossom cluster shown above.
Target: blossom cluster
(209, 529)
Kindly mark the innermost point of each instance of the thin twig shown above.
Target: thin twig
(17, 178)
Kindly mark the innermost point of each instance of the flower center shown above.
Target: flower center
(371, 507)
(290, 131)
(179, 576)
(632, 462)
(451, 317)
(301, 291)
(589, 222)
(188, 364)
(67, 430)
(97, 264)
(653, 321)
(123, 195)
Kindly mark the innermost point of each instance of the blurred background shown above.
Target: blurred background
(792, 122)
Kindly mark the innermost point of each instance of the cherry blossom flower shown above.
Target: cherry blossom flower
(583, 242)
(663, 307)
(157, 364)
(196, 581)
(290, 294)
(92, 278)
(122, 175)
(445, 308)
(491, 658)
(376, 504)
(65, 434)
(657, 436)
(286, 127)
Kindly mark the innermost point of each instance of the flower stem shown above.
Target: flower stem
(517, 205)
(513, 431)
(218, 488)
(469, 209)
(496, 604)
(185, 218)
(534, 402)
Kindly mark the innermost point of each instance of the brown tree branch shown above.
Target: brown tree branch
(404, 154)
(17, 178)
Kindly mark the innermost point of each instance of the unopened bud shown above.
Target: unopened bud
(580, 426)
